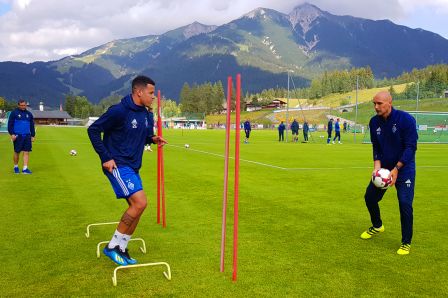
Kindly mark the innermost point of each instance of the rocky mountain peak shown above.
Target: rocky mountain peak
(197, 28)
(304, 15)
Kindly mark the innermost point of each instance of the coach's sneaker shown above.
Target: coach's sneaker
(16, 170)
(26, 171)
(371, 232)
(404, 249)
(128, 258)
(115, 255)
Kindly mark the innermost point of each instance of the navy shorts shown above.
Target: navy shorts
(22, 143)
(125, 182)
(247, 133)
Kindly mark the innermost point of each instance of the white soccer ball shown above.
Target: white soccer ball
(73, 152)
(381, 178)
(187, 146)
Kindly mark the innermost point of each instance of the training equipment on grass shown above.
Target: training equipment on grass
(226, 174)
(99, 224)
(166, 273)
(160, 166)
(73, 152)
(380, 178)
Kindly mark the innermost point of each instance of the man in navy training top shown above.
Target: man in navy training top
(394, 141)
(127, 127)
(22, 132)
(329, 130)
(306, 128)
(247, 130)
(337, 131)
(281, 132)
(295, 130)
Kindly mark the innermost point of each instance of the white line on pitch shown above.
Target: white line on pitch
(289, 169)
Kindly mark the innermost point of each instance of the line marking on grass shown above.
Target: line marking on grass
(288, 169)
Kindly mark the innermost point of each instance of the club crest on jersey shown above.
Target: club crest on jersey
(130, 185)
(394, 128)
(134, 123)
(378, 131)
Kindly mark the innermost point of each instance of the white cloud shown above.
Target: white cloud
(47, 29)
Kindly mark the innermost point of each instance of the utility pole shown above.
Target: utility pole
(287, 110)
(356, 107)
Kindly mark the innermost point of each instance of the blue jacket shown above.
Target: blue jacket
(394, 140)
(330, 126)
(295, 126)
(247, 126)
(21, 122)
(337, 127)
(281, 127)
(127, 128)
(305, 127)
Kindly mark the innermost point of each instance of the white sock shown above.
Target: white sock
(124, 242)
(116, 238)
(16, 166)
(25, 167)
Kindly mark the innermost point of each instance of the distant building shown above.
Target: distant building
(183, 122)
(446, 93)
(55, 117)
(274, 104)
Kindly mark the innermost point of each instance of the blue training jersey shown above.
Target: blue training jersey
(21, 122)
(337, 128)
(127, 127)
(247, 125)
(394, 139)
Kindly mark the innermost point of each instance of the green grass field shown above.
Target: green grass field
(301, 214)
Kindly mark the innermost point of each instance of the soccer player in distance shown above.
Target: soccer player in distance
(127, 127)
(329, 130)
(22, 132)
(394, 140)
(295, 131)
(247, 129)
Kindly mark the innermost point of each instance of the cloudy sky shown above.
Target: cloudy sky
(32, 30)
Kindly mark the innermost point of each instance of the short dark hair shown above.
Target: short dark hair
(142, 81)
(21, 101)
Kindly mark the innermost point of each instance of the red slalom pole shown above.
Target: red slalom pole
(237, 179)
(162, 183)
(159, 155)
(226, 172)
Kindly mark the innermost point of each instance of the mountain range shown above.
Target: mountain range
(262, 45)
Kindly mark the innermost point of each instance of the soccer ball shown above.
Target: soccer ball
(73, 152)
(381, 178)
(187, 146)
